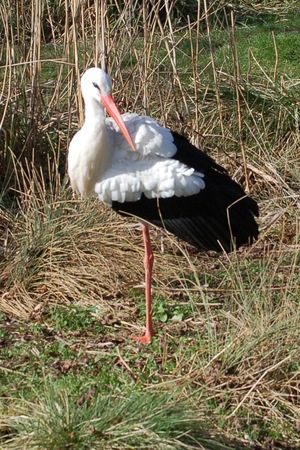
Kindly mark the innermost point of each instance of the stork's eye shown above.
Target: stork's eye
(96, 86)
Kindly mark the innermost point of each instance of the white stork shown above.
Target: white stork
(140, 168)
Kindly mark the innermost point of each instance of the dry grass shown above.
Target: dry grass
(234, 352)
(59, 249)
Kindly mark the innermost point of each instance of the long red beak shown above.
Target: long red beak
(111, 107)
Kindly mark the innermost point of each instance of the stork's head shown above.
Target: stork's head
(97, 85)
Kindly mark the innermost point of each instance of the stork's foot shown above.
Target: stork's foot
(146, 339)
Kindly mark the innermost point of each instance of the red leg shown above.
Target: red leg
(148, 264)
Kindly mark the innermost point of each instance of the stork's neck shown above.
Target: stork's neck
(95, 144)
(94, 115)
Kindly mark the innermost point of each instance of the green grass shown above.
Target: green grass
(117, 421)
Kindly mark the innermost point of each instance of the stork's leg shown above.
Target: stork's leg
(148, 264)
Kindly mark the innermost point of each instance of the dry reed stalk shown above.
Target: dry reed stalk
(238, 103)
(214, 67)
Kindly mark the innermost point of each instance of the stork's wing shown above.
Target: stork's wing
(149, 170)
(216, 217)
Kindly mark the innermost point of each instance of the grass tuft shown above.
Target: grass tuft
(130, 421)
